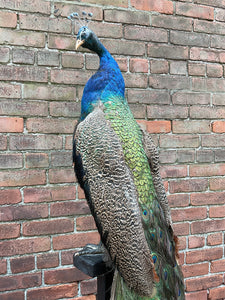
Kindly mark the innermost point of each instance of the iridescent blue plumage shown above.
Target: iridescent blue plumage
(117, 166)
(106, 82)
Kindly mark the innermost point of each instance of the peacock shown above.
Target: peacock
(117, 166)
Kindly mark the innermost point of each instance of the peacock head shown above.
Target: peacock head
(86, 38)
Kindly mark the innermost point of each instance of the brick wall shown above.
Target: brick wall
(172, 55)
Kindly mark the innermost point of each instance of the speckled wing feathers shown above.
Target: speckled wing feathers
(113, 200)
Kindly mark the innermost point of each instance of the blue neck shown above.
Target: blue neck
(107, 81)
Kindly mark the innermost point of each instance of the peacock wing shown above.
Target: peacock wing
(112, 197)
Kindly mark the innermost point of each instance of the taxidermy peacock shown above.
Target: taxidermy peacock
(116, 164)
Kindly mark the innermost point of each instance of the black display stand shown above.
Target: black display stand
(94, 266)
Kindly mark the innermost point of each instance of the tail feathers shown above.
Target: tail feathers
(120, 291)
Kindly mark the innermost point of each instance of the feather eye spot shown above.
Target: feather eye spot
(154, 258)
(179, 293)
(145, 212)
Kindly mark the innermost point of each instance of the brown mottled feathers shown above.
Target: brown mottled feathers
(113, 201)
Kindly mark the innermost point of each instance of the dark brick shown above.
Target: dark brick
(121, 16)
(22, 264)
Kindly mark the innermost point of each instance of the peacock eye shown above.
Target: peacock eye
(145, 212)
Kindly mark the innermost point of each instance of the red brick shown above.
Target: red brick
(65, 109)
(24, 246)
(214, 239)
(8, 19)
(191, 126)
(52, 126)
(65, 275)
(23, 56)
(4, 52)
(156, 126)
(9, 231)
(123, 64)
(88, 287)
(217, 212)
(208, 85)
(75, 240)
(61, 175)
(47, 260)
(214, 70)
(146, 34)
(22, 38)
(167, 156)
(195, 270)
(173, 171)
(21, 178)
(188, 185)
(23, 108)
(12, 296)
(11, 161)
(207, 170)
(61, 159)
(48, 227)
(53, 292)
(196, 11)
(23, 73)
(71, 60)
(69, 208)
(181, 228)
(217, 293)
(10, 90)
(31, 22)
(207, 226)
(159, 66)
(148, 96)
(3, 266)
(212, 140)
(220, 14)
(168, 51)
(197, 256)
(208, 198)
(124, 47)
(67, 257)
(38, 6)
(21, 212)
(139, 65)
(36, 160)
(49, 92)
(120, 3)
(8, 283)
(46, 194)
(89, 297)
(190, 98)
(203, 283)
(162, 6)
(218, 266)
(70, 76)
(166, 112)
(107, 30)
(178, 67)
(218, 126)
(209, 27)
(122, 16)
(48, 58)
(196, 241)
(179, 141)
(181, 200)
(61, 42)
(85, 223)
(22, 264)
(189, 214)
(9, 124)
(201, 295)
(33, 142)
(182, 243)
(10, 196)
(196, 69)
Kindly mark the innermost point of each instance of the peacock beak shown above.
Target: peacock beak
(79, 43)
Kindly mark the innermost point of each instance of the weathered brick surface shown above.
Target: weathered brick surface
(172, 55)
